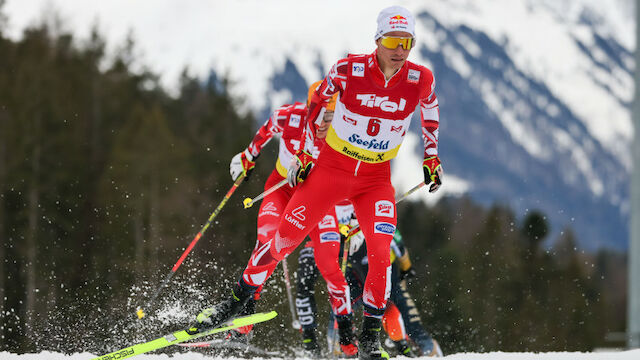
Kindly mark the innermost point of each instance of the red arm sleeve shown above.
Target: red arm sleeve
(272, 126)
(430, 118)
(334, 82)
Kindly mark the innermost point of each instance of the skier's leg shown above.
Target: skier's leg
(392, 323)
(326, 242)
(260, 265)
(307, 207)
(305, 299)
(376, 212)
(394, 326)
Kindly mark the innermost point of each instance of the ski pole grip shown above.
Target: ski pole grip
(247, 203)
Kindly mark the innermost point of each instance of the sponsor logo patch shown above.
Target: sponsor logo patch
(368, 144)
(350, 120)
(384, 208)
(295, 222)
(398, 22)
(329, 236)
(294, 120)
(384, 228)
(398, 19)
(357, 69)
(269, 209)
(299, 212)
(327, 222)
(356, 155)
(413, 76)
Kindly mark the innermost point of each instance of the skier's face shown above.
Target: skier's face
(321, 132)
(393, 58)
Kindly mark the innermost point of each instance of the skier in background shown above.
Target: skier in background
(401, 319)
(289, 121)
(378, 94)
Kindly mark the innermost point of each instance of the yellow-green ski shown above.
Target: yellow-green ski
(185, 335)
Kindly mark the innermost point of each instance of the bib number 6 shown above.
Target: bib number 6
(373, 128)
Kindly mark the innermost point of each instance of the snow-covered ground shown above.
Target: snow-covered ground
(622, 355)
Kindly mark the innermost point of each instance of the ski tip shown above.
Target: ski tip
(140, 313)
(247, 203)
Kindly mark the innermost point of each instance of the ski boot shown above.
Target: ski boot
(225, 310)
(310, 343)
(347, 338)
(243, 334)
(369, 347)
(403, 348)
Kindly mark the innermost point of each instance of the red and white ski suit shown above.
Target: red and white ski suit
(289, 121)
(371, 117)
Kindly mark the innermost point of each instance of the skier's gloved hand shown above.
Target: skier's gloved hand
(242, 164)
(300, 167)
(432, 172)
(410, 273)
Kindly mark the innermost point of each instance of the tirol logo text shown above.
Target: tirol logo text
(369, 144)
(372, 100)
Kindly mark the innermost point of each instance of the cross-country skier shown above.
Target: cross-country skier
(289, 121)
(378, 94)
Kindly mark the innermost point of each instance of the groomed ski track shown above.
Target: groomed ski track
(605, 355)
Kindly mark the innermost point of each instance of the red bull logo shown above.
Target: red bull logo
(398, 20)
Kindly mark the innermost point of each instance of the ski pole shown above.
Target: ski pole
(356, 228)
(294, 323)
(140, 311)
(411, 191)
(248, 202)
(343, 267)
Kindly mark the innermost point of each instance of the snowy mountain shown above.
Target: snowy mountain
(535, 94)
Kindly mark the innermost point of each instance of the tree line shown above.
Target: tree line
(105, 178)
